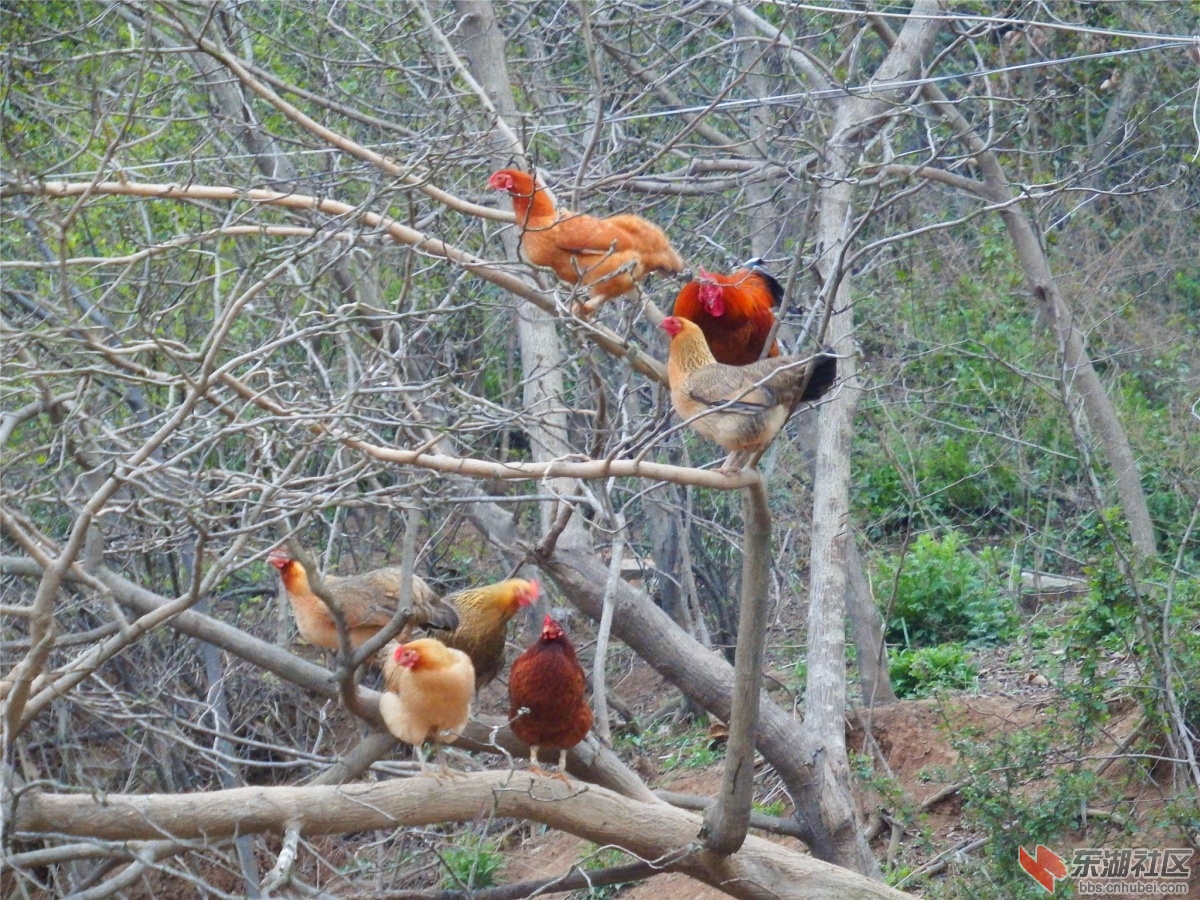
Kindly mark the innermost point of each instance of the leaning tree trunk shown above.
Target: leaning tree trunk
(1081, 382)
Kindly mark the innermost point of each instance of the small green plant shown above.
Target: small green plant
(776, 808)
(923, 671)
(692, 752)
(944, 594)
(800, 672)
(472, 863)
(596, 859)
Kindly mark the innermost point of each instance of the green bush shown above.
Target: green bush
(943, 594)
(922, 672)
(473, 863)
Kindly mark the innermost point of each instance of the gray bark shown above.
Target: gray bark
(866, 628)
(825, 696)
(728, 819)
(650, 830)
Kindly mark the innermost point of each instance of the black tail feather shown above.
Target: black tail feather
(824, 374)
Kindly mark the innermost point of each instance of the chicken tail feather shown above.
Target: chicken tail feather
(824, 374)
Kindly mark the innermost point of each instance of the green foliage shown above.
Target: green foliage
(1149, 614)
(1185, 290)
(776, 808)
(942, 594)
(961, 442)
(595, 859)
(998, 801)
(924, 671)
(1028, 786)
(472, 862)
(691, 749)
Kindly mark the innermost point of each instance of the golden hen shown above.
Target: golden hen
(483, 617)
(368, 601)
(742, 408)
(609, 256)
(428, 689)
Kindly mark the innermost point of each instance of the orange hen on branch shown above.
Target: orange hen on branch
(609, 256)
(428, 689)
(368, 602)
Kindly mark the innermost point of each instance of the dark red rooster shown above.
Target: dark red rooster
(735, 312)
(546, 701)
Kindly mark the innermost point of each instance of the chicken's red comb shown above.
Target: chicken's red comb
(671, 325)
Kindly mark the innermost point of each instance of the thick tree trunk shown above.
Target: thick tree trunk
(651, 831)
(542, 358)
(825, 696)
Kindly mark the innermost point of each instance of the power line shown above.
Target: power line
(1167, 42)
(955, 17)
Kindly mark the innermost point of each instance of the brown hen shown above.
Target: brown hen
(368, 602)
(546, 701)
(742, 408)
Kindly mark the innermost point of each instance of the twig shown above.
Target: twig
(599, 693)
(282, 870)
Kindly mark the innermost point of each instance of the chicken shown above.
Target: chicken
(483, 616)
(744, 406)
(546, 700)
(609, 257)
(368, 602)
(736, 312)
(428, 689)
